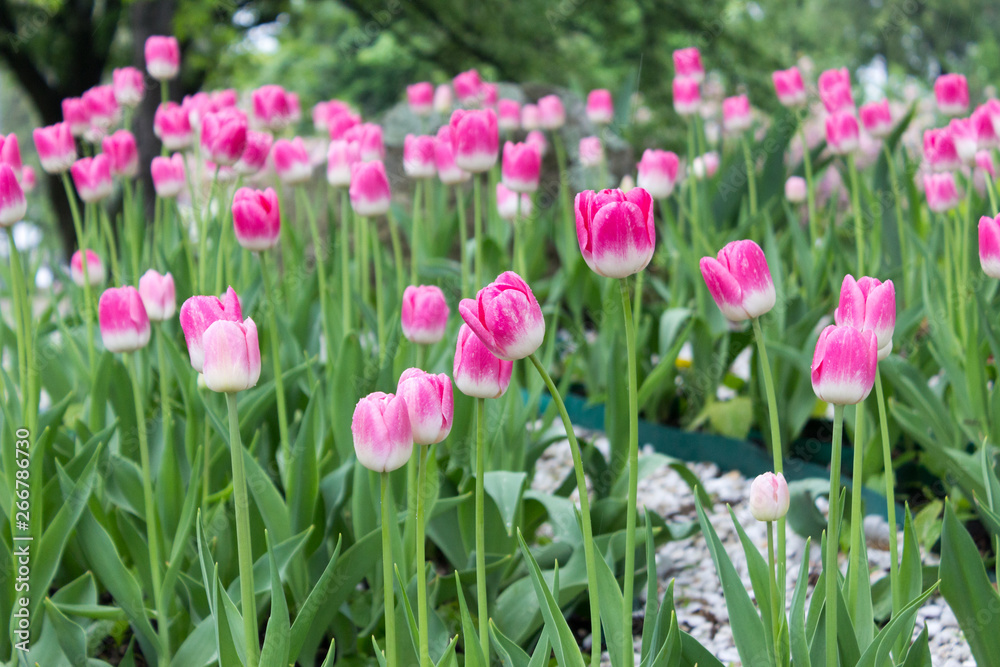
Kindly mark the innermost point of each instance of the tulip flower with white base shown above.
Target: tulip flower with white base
(769, 498)
(989, 245)
(506, 316)
(123, 319)
(200, 312)
(658, 172)
(291, 161)
(425, 312)
(169, 176)
(369, 192)
(55, 147)
(511, 205)
(232, 356)
(158, 295)
(868, 304)
(92, 177)
(739, 280)
(788, 86)
(95, 269)
(13, 205)
(952, 94)
(163, 57)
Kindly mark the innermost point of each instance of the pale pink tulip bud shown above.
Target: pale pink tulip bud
(687, 96)
(429, 404)
(368, 137)
(511, 205)
(740, 281)
(989, 245)
(940, 151)
(522, 164)
(419, 156)
(420, 97)
(272, 107)
(736, 114)
(844, 365)
(128, 86)
(658, 172)
(95, 269)
(942, 193)
(506, 317)
(123, 152)
(255, 154)
(163, 57)
(444, 157)
(340, 157)
(835, 90)
(983, 119)
(868, 304)
(530, 117)
(467, 87)
(687, 63)
(478, 373)
(168, 175)
(55, 147)
(475, 139)
(13, 205)
(952, 94)
(232, 356)
(876, 118)
(75, 114)
(551, 114)
(591, 152)
(600, 107)
(789, 87)
(28, 178)
(370, 192)
(509, 115)
(158, 295)
(615, 231)
(256, 218)
(842, 132)
(200, 312)
(537, 138)
(442, 99)
(383, 437)
(291, 161)
(92, 177)
(796, 189)
(425, 314)
(123, 320)
(224, 136)
(172, 125)
(769, 497)
(705, 166)
(966, 138)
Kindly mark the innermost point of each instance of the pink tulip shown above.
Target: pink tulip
(687, 63)
(876, 118)
(687, 96)
(989, 245)
(158, 295)
(769, 498)
(383, 437)
(591, 152)
(965, 137)
(429, 404)
(200, 312)
(842, 132)
(163, 57)
(444, 158)
(789, 87)
(537, 138)
(102, 107)
(10, 152)
(530, 117)
(740, 281)
(172, 125)
(168, 175)
(982, 119)
(75, 114)
(123, 320)
(509, 115)
(442, 99)
(128, 86)
(506, 317)
(291, 161)
(419, 156)
(551, 114)
(370, 192)
(488, 94)
(55, 147)
(13, 205)
(868, 305)
(420, 97)
(467, 87)
(835, 90)
(615, 230)
(736, 114)
(658, 172)
(224, 136)
(522, 163)
(272, 107)
(256, 218)
(705, 166)
(796, 189)
(368, 137)
(942, 193)
(940, 151)
(425, 314)
(232, 356)
(511, 205)
(952, 94)
(28, 178)
(478, 373)
(92, 177)
(323, 112)
(475, 139)
(340, 124)
(600, 107)
(95, 269)
(340, 157)
(844, 365)
(255, 154)
(984, 162)
(123, 152)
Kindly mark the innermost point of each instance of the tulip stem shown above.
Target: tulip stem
(810, 188)
(387, 583)
(484, 633)
(345, 260)
(890, 495)
(279, 381)
(832, 539)
(152, 532)
(633, 477)
(244, 546)
(319, 251)
(477, 208)
(900, 223)
(20, 325)
(88, 313)
(852, 167)
(777, 613)
(696, 238)
(751, 174)
(425, 656)
(165, 409)
(105, 222)
(203, 224)
(566, 205)
(397, 252)
(518, 240)
(857, 474)
(379, 300)
(415, 235)
(463, 237)
(588, 533)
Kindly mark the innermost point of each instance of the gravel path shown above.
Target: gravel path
(701, 608)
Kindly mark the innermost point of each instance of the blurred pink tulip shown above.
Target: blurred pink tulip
(788, 86)
(370, 192)
(658, 172)
(419, 156)
(123, 320)
(952, 94)
(475, 139)
(55, 147)
(92, 177)
(13, 205)
(95, 269)
(158, 294)
(256, 218)
(163, 57)
(522, 164)
(600, 107)
(425, 314)
(169, 176)
(123, 152)
(687, 63)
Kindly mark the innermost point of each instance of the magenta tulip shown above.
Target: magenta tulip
(425, 314)
(123, 152)
(200, 312)
(506, 317)
(13, 205)
(551, 113)
(522, 164)
(420, 97)
(163, 57)
(419, 156)
(687, 63)
(369, 192)
(868, 305)
(55, 147)
(123, 320)
(989, 245)
(600, 107)
(844, 365)
(740, 281)
(158, 294)
(952, 94)
(95, 269)
(835, 90)
(168, 175)
(128, 86)
(92, 177)
(478, 373)
(615, 230)
(876, 118)
(475, 139)
(687, 95)
(736, 116)
(658, 172)
(788, 86)
(232, 356)
(256, 218)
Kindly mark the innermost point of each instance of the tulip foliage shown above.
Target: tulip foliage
(291, 419)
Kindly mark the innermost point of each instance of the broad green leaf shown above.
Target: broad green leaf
(919, 654)
(760, 580)
(505, 488)
(610, 599)
(72, 638)
(510, 654)
(878, 653)
(318, 597)
(275, 651)
(470, 638)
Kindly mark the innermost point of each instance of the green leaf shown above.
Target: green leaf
(610, 598)
(797, 620)
(72, 638)
(510, 654)
(331, 654)
(760, 579)
(878, 653)
(919, 654)
(199, 649)
(303, 468)
(506, 489)
(275, 651)
(470, 638)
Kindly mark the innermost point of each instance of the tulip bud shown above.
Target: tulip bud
(340, 157)
(942, 193)
(92, 177)
(509, 115)
(13, 205)
(425, 314)
(551, 114)
(123, 320)
(28, 178)
(172, 125)
(475, 139)
(368, 137)
(123, 152)
(168, 175)
(95, 269)
(128, 86)
(615, 230)
(740, 281)
(478, 373)
(467, 87)
(383, 437)
(75, 115)
(200, 312)
(789, 87)
(420, 97)
(966, 138)
(940, 151)
(158, 295)
(255, 154)
(591, 152)
(769, 497)
(842, 132)
(291, 161)
(256, 218)
(522, 164)
(868, 305)
(102, 107)
(876, 118)
(989, 245)
(272, 107)
(705, 166)
(370, 193)
(844, 365)
(796, 189)
(419, 156)
(444, 157)
(687, 63)
(341, 123)
(658, 172)
(232, 356)
(163, 57)
(600, 107)
(55, 147)
(511, 205)
(687, 96)
(835, 90)
(442, 99)
(530, 117)
(224, 136)
(537, 138)
(429, 404)
(982, 120)
(952, 94)
(736, 114)
(506, 317)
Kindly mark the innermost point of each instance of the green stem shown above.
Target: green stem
(832, 539)
(203, 225)
(345, 260)
(569, 226)
(417, 231)
(387, 579)
(20, 326)
(628, 656)
(696, 237)
(890, 495)
(397, 252)
(279, 381)
(853, 570)
(243, 541)
(425, 656)
(776, 612)
(319, 251)
(380, 300)
(588, 533)
(484, 632)
(105, 222)
(751, 174)
(477, 208)
(166, 410)
(810, 188)
(900, 222)
(856, 209)
(463, 237)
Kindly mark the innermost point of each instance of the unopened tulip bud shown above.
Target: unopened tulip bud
(739, 280)
(687, 63)
(123, 320)
(224, 136)
(172, 125)
(370, 193)
(425, 314)
(442, 99)
(687, 96)
(467, 87)
(92, 177)
(128, 86)
(163, 57)
(198, 313)
(475, 139)
(255, 154)
(705, 166)
(420, 97)
(844, 365)
(522, 163)
(835, 90)
(272, 107)
(591, 152)
(340, 157)
(600, 107)
(796, 189)
(55, 147)
(876, 118)
(508, 115)
(256, 218)
(736, 114)
(952, 94)
(941, 191)
(419, 156)
(158, 295)
(95, 269)
(291, 161)
(429, 404)
(989, 245)
(232, 356)
(13, 205)
(842, 132)
(869, 305)
(368, 137)
(551, 113)
(123, 152)
(788, 86)
(658, 172)
(537, 138)
(168, 175)
(769, 497)
(478, 372)
(444, 158)
(383, 437)
(940, 152)
(615, 231)
(506, 316)
(530, 117)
